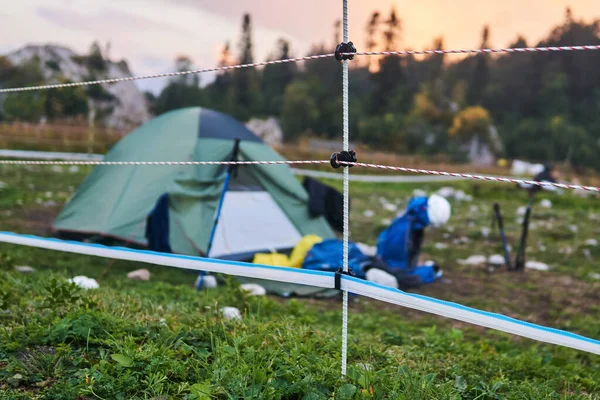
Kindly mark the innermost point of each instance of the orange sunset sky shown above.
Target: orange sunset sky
(150, 33)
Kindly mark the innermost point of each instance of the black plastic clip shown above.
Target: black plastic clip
(341, 157)
(337, 284)
(342, 51)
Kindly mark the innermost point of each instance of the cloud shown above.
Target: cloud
(105, 20)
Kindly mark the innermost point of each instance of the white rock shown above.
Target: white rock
(386, 221)
(366, 249)
(594, 275)
(537, 266)
(419, 193)
(545, 203)
(49, 203)
(139, 275)
(208, 282)
(24, 269)
(441, 246)
(73, 169)
(485, 232)
(446, 192)
(390, 207)
(591, 242)
(253, 289)
(231, 313)
(56, 168)
(474, 260)
(84, 282)
(573, 228)
(381, 277)
(48, 195)
(369, 213)
(521, 211)
(496, 259)
(460, 195)
(473, 209)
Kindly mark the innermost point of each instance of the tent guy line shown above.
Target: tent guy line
(321, 279)
(306, 58)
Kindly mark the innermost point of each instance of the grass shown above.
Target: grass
(161, 339)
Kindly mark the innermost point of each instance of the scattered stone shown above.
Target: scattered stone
(441, 246)
(594, 275)
(49, 203)
(573, 228)
(39, 201)
(545, 203)
(19, 202)
(369, 213)
(390, 207)
(386, 221)
(139, 275)
(381, 277)
(419, 193)
(587, 253)
(496, 259)
(474, 260)
(2, 185)
(208, 282)
(84, 282)
(538, 266)
(591, 242)
(74, 169)
(253, 289)
(231, 313)
(57, 168)
(446, 236)
(31, 186)
(485, 232)
(473, 209)
(48, 195)
(25, 269)
(521, 211)
(446, 192)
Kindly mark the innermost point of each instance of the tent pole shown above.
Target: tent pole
(230, 170)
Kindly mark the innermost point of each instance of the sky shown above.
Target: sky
(149, 34)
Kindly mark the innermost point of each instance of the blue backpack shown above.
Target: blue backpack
(327, 256)
(399, 245)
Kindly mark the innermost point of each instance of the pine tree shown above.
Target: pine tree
(276, 78)
(245, 93)
(371, 43)
(481, 72)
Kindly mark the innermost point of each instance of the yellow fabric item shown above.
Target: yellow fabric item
(272, 259)
(302, 247)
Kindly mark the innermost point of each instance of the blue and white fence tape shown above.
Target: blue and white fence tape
(322, 280)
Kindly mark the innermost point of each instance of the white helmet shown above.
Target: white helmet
(438, 210)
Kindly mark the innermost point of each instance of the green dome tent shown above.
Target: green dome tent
(265, 207)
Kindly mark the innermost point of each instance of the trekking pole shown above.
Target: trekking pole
(521, 253)
(502, 235)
